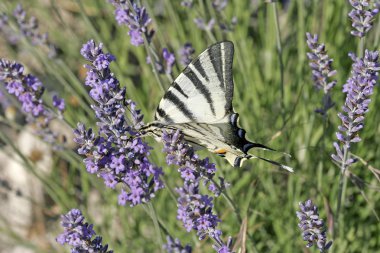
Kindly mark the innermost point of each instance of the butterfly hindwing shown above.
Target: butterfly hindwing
(203, 91)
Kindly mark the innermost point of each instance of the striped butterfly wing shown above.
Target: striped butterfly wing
(199, 103)
(203, 91)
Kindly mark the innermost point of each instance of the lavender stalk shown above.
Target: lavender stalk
(195, 210)
(312, 227)
(116, 154)
(79, 234)
(358, 88)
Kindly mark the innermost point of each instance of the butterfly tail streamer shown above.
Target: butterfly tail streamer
(290, 169)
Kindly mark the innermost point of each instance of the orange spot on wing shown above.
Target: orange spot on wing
(220, 151)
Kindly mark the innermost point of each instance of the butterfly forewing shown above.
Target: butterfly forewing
(203, 91)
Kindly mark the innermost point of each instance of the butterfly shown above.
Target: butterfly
(199, 104)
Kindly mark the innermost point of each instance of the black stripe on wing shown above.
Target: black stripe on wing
(178, 103)
(201, 87)
(179, 89)
(215, 55)
(162, 114)
(198, 66)
(221, 56)
(228, 49)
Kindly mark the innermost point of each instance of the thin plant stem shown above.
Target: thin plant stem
(341, 191)
(230, 201)
(150, 50)
(153, 216)
(279, 52)
(361, 47)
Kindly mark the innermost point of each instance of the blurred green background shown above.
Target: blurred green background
(267, 197)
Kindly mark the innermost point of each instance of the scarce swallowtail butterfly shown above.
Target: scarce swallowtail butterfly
(199, 104)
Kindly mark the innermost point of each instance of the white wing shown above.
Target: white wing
(203, 92)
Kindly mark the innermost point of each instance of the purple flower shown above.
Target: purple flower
(79, 234)
(7, 32)
(174, 246)
(187, 3)
(359, 88)
(59, 103)
(136, 18)
(28, 89)
(116, 154)
(169, 59)
(362, 16)
(320, 63)
(322, 71)
(220, 247)
(195, 210)
(219, 5)
(186, 52)
(29, 29)
(313, 229)
(203, 25)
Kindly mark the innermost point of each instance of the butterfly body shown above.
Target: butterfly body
(199, 104)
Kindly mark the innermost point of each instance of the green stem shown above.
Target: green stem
(229, 201)
(153, 215)
(361, 47)
(341, 192)
(152, 54)
(279, 51)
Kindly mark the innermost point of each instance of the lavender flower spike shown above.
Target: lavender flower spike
(79, 235)
(28, 89)
(313, 228)
(362, 16)
(174, 246)
(136, 18)
(219, 5)
(359, 88)
(169, 59)
(116, 154)
(195, 210)
(320, 64)
(29, 29)
(186, 54)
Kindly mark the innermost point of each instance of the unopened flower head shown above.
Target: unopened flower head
(136, 18)
(175, 246)
(320, 64)
(219, 5)
(79, 234)
(195, 210)
(29, 29)
(186, 54)
(169, 60)
(205, 25)
(362, 16)
(28, 89)
(358, 88)
(313, 228)
(116, 154)
(221, 247)
(187, 3)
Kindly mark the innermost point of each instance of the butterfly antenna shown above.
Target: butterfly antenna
(290, 169)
